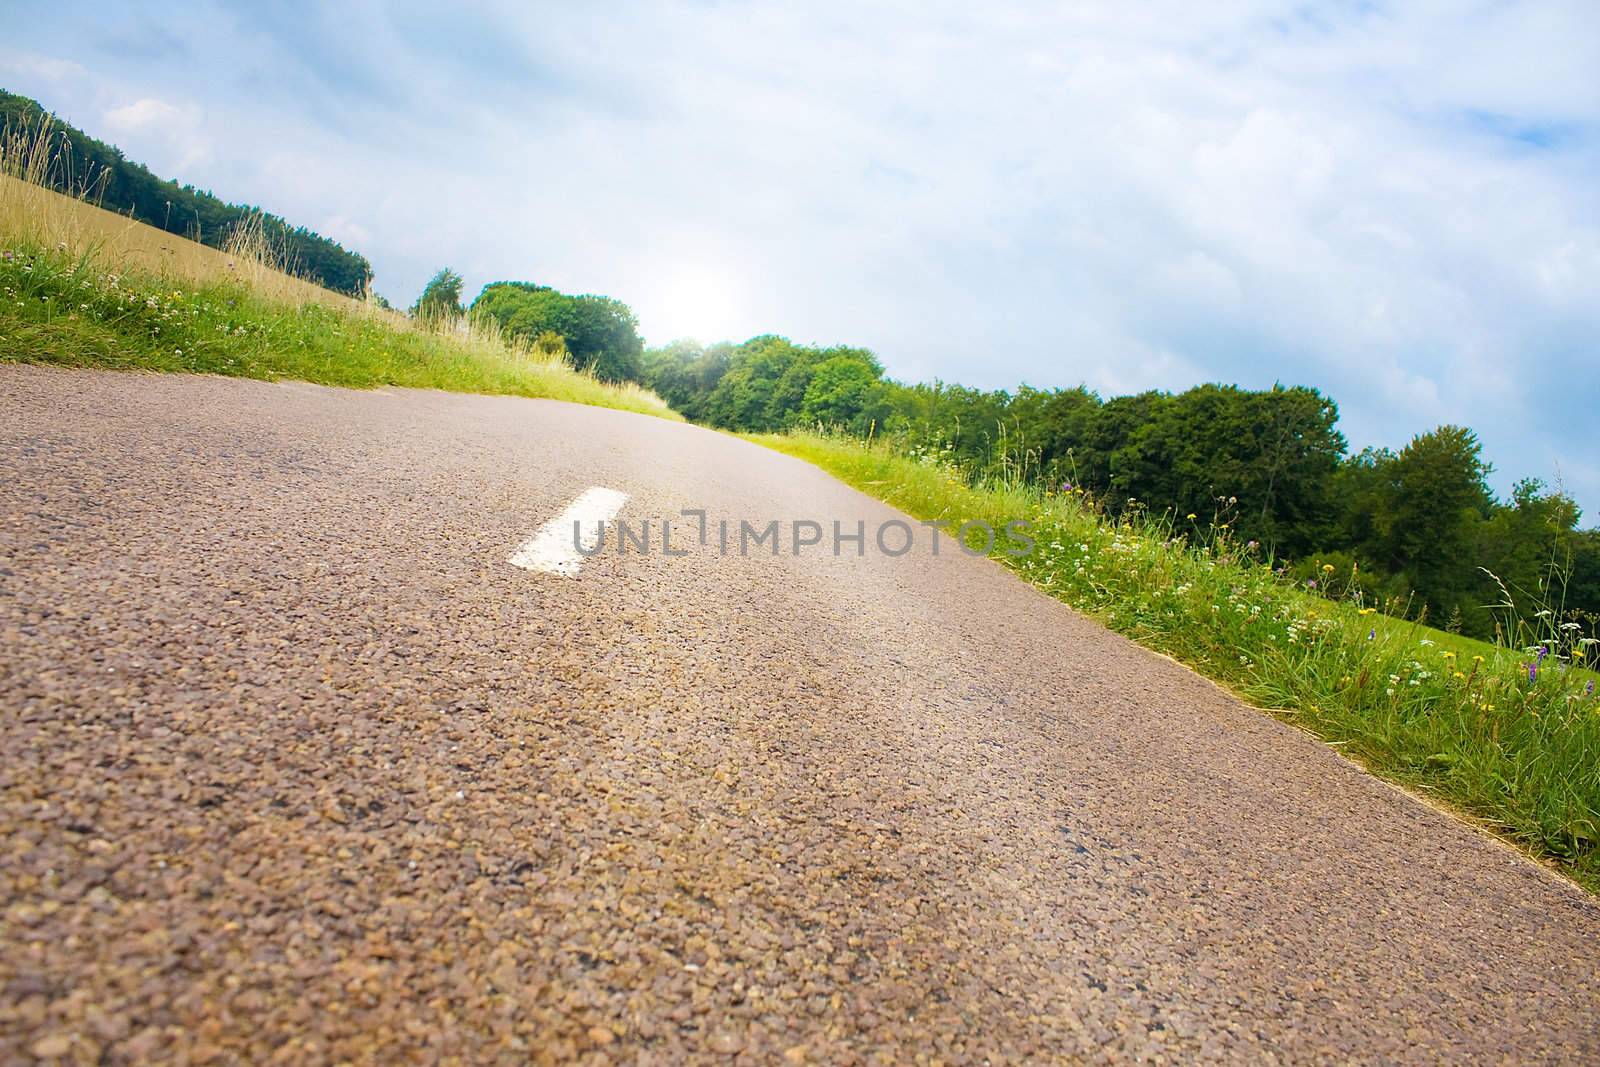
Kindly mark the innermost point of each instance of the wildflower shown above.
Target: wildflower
(1533, 671)
(1191, 516)
(1458, 674)
(1327, 568)
(1477, 659)
(1367, 611)
(1311, 583)
(1588, 690)
(1371, 634)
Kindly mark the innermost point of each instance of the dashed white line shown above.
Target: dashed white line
(554, 549)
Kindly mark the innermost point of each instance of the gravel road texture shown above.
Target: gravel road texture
(299, 769)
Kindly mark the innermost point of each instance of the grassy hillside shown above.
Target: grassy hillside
(1510, 736)
(80, 286)
(34, 217)
(64, 157)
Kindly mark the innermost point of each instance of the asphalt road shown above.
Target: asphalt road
(298, 768)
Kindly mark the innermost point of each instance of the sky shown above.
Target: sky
(1397, 204)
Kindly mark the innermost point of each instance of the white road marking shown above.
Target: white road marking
(553, 549)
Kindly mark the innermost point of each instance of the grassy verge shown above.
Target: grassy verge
(1510, 737)
(66, 310)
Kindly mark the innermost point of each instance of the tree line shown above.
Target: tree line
(1416, 531)
(84, 164)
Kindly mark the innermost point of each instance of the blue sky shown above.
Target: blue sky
(1398, 204)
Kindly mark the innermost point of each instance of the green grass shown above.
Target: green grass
(1456, 719)
(72, 311)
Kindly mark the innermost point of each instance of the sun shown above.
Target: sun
(694, 302)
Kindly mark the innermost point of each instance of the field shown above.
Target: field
(80, 286)
(1510, 737)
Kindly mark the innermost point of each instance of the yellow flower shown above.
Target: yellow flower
(1191, 514)
(1327, 568)
(1458, 674)
(1477, 659)
(1367, 611)
(1447, 654)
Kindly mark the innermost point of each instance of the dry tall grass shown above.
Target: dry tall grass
(48, 219)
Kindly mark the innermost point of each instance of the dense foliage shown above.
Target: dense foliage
(1416, 532)
(601, 334)
(84, 165)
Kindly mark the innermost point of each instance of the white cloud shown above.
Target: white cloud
(349, 233)
(175, 134)
(21, 68)
(143, 114)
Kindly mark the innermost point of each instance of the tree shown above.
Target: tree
(1433, 500)
(684, 374)
(441, 298)
(742, 399)
(601, 333)
(1532, 547)
(844, 392)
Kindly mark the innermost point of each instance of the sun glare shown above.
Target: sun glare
(703, 305)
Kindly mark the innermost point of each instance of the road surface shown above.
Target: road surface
(299, 768)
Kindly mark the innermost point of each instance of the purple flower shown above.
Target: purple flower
(1588, 690)
(1066, 487)
(1311, 583)
(1371, 634)
(1542, 651)
(1533, 670)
